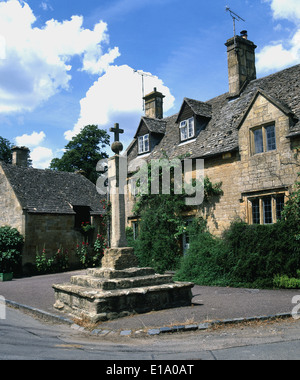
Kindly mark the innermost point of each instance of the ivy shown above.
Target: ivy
(162, 222)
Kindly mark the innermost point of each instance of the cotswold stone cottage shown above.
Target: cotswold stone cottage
(248, 138)
(46, 207)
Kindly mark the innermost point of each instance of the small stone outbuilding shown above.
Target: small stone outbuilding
(47, 207)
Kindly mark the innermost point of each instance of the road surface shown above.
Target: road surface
(23, 337)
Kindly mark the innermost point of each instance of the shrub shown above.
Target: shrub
(43, 264)
(291, 212)
(287, 282)
(158, 243)
(61, 260)
(259, 252)
(204, 262)
(246, 255)
(11, 244)
(161, 217)
(89, 256)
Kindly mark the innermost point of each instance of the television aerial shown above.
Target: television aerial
(142, 74)
(235, 17)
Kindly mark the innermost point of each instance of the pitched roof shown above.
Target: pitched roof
(153, 125)
(47, 191)
(221, 132)
(199, 108)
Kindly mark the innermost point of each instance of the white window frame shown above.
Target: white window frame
(144, 144)
(187, 129)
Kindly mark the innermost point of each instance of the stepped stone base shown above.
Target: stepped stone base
(117, 290)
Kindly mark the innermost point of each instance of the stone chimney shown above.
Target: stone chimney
(20, 156)
(241, 62)
(154, 105)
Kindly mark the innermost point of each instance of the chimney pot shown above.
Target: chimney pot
(244, 34)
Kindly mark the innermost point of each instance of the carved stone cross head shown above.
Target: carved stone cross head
(117, 146)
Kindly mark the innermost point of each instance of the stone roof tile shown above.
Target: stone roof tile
(48, 191)
(221, 132)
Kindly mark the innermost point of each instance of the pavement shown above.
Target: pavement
(210, 305)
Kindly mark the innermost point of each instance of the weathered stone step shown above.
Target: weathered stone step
(99, 305)
(112, 273)
(120, 283)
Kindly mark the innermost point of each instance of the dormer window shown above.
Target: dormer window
(187, 129)
(144, 146)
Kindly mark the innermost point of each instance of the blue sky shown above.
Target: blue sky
(65, 64)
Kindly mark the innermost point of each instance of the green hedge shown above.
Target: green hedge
(260, 252)
(247, 255)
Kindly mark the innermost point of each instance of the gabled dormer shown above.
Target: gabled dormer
(192, 118)
(149, 134)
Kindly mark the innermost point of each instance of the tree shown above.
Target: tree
(5, 150)
(83, 152)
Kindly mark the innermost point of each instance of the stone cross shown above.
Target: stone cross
(119, 256)
(117, 131)
(117, 146)
(115, 165)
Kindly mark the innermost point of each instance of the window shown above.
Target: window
(270, 137)
(258, 141)
(263, 139)
(82, 215)
(135, 229)
(187, 129)
(266, 209)
(255, 211)
(144, 145)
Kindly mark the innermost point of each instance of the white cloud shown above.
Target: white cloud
(41, 157)
(117, 94)
(2, 48)
(34, 139)
(281, 54)
(285, 9)
(96, 63)
(37, 62)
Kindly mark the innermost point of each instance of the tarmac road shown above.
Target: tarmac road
(25, 338)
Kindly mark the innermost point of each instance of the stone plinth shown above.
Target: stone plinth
(119, 258)
(119, 289)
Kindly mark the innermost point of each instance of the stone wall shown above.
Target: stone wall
(11, 212)
(272, 169)
(251, 174)
(52, 231)
(220, 211)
